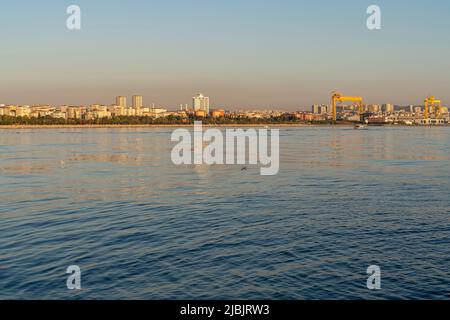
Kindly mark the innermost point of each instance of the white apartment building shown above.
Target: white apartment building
(200, 102)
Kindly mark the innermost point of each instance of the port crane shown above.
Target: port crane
(337, 97)
(435, 105)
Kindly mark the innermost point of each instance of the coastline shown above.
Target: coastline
(119, 126)
(250, 125)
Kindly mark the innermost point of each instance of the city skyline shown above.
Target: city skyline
(245, 55)
(433, 112)
(202, 102)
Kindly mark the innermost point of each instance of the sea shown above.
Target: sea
(111, 201)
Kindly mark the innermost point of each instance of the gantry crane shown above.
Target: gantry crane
(435, 105)
(337, 97)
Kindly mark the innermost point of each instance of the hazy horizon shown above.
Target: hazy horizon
(287, 55)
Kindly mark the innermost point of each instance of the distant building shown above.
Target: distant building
(374, 108)
(201, 113)
(319, 109)
(377, 119)
(430, 122)
(121, 101)
(73, 113)
(323, 109)
(352, 117)
(23, 111)
(200, 102)
(219, 113)
(137, 102)
(315, 109)
(388, 108)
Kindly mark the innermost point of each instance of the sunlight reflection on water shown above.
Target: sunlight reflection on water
(111, 201)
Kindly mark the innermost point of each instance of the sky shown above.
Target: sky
(285, 54)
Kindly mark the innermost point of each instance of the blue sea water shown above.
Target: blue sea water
(139, 227)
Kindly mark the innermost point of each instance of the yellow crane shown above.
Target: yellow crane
(435, 105)
(337, 97)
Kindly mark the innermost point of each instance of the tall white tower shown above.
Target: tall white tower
(200, 102)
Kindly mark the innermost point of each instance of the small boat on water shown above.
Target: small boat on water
(359, 127)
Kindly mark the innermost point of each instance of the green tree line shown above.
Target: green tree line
(135, 120)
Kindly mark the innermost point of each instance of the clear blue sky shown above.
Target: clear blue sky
(242, 53)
